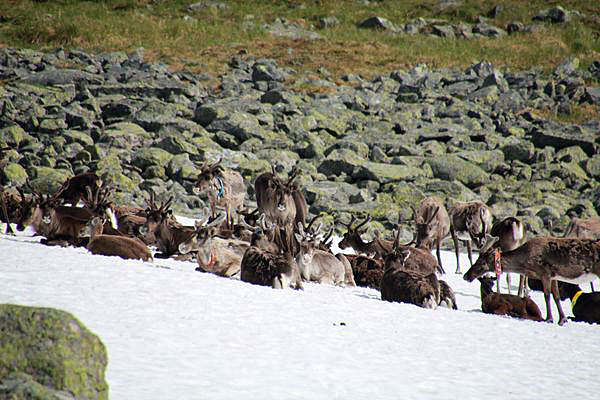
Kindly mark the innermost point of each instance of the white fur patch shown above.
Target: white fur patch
(112, 217)
(585, 278)
(463, 235)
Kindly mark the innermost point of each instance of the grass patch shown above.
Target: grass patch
(204, 40)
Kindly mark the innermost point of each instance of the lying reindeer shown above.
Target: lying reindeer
(75, 188)
(320, 266)
(12, 206)
(377, 248)
(113, 245)
(506, 304)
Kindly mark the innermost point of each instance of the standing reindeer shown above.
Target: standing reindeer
(510, 233)
(225, 188)
(588, 228)
(469, 222)
(432, 225)
(548, 259)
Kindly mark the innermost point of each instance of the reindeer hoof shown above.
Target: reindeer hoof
(563, 321)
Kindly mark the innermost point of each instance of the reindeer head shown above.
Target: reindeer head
(208, 174)
(478, 228)
(485, 262)
(156, 215)
(425, 230)
(352, 235)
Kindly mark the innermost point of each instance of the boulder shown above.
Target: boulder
(451, 168)
(54, 349)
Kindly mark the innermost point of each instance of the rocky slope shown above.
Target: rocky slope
(364, 146)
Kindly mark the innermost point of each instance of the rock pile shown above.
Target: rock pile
(363, 146)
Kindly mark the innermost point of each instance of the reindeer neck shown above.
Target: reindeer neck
(485, 291)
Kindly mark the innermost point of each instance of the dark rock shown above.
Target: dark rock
(378, 23)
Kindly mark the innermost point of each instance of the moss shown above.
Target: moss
(54, 348)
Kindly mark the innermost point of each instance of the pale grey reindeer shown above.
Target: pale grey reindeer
(432, 225)
(225, 188)
(548, 259)
(469, 222)
(320, 266)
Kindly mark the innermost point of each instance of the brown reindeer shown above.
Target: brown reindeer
(261, 266)
(588, 228)
(548, 259)
(225, 188)
(377, 248)
(432, 225)
(585, 306)
(282, 203)
(12, 207)
(584, 228)
(469, 222)
(75, 188)
(62, 225)
(408, 286)
(506, 304)
(367, 271)
(114, 245)
(510, 232)
(168, 233)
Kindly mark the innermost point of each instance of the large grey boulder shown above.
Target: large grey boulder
(54, 348)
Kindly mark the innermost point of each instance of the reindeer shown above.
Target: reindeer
(75, 188)
(282, 203)
(367, 271)
(408, 286)
(510, 232)
(506, 304)
(169, 234)
(62, 225)
(585, 306)
(432, 225)
(584, 228)
(113, 245)
(320, 266)
(546, 258)
(469, 221)
(377, 248)
(224, 188)
(12, 206)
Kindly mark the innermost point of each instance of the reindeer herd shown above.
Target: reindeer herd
(274, 245)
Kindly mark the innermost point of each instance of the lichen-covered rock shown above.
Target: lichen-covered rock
(47, 179)
(12, 135)
(54, 348)
(449, 167)
(125, 135)
(150, 156)
(21, 386)
(13, 174)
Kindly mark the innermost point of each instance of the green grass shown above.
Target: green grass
(208, 41)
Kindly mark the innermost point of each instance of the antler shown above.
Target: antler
(367, 220)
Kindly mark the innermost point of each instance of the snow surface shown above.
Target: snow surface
(174, 333)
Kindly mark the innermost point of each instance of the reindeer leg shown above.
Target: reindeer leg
(9, 229)
(456, 249)
(508, 281)
(439, 257)
(562, 319)
(547, 284)
(470, 252)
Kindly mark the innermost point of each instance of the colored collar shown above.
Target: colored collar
(574, 299)
(221, 187)
(497, 264)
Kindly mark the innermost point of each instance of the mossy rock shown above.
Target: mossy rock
(125, 135)
(152, 156)
(12, 135)
(177, 145)
(47, 179)
(452, 168)
(341, 161)
(14, 174)
(73, 136)
(21, 386)
(488, 160)
(360, 148)
(252, 168)
(518, 149)
(384, 173)
(592, 166)
(54, 348)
